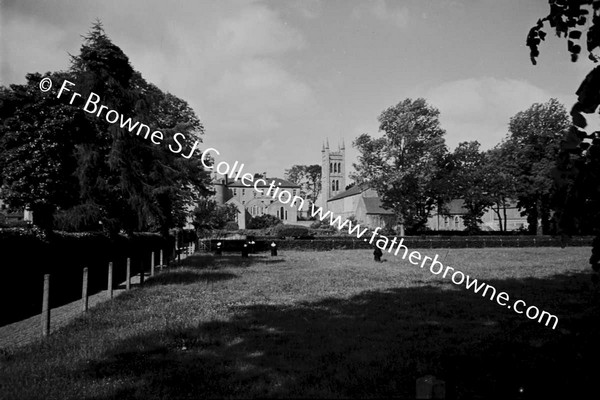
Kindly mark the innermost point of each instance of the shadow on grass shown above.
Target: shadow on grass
(375, 344)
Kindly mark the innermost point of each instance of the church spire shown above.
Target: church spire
(327, 147)
(343, 144)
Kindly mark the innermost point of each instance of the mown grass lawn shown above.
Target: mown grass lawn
(326, 324)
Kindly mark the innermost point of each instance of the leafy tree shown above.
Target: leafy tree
(309, 179)
(402, 165)
(530, 151)
(208, 215)
(501, 184)
(577, 174)
(470, 182)
(37, 146)
(442, 189)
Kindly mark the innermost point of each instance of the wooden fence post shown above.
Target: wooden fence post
(161, 260)
(153, 257)
(110, 280)
(128, 275)
(84, 291)
(46, 306)
(141, 263)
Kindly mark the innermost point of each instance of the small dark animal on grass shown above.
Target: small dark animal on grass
(377, 253)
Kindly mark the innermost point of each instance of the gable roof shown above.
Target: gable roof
(278, 183)
(373, 206)
(354, 190)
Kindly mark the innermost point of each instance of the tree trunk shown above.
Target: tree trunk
(43, 216)
(504, 212)
(497, 212)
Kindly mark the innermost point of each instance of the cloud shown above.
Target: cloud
(256, 31)
(310, 9)
(19, 58)
(480, 108)
(396, 15)
(259, 92)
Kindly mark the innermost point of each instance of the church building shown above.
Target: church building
(360, 202)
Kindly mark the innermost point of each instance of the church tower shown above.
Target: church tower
(333, 172)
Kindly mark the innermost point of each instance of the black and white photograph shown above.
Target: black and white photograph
(290, 199)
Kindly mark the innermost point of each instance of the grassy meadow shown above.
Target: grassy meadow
(326, 324)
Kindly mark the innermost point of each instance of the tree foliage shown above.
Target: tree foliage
(501, 184)
(470, 179)
(208, 215)
(38, 138)
(82, 168)
(264, 221)
(577, 173)
(568, 19)
(529, 154)
(402, 164)
(308, 177)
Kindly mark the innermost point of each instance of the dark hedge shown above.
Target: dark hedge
(415, 242)
(28, 254)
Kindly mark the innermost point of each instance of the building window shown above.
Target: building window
(445, 220)
(243, 192)
(294, 192)
(281, 213)
(456, 221)
(330, 167)
(234, 192)
(285, 214)
(339, 167)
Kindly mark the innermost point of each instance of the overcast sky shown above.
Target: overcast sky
(271, 80)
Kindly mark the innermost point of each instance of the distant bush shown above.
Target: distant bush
(253, 232)
(263, 221)
(231, 226)
(296, 231)
(322, 225)
(387, 231)
(322, 232)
